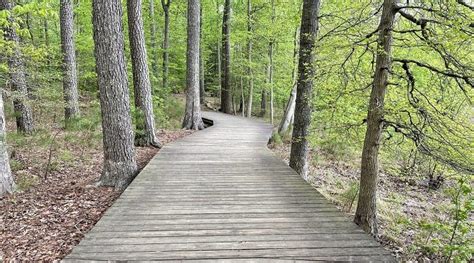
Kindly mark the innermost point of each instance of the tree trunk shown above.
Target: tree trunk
(271, 46)
(366, 215)
(23, 113)
(145, 135)
(263, 102)
(166, 42)
(6, 180)
(304, 93)
(202, 89)
(249, 58)
(242, 97)
(192, 117)
(226, 92)
(71, 96)
(290, 106)
(154, 46)
(119, 160)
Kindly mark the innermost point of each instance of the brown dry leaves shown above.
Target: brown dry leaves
(45, 221)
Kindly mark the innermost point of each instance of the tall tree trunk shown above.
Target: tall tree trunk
(226, 91)
(6, 180)
(192, 117)
(153, 34)
(290, 106)
(271, 47)
(119, 153)
(202, 88)
(249, 58)
(166, 42)
(23, 113)
(304, 93)
(242, 97)
(71, 96)
(46, 32)
(145, 135)
(366, 215)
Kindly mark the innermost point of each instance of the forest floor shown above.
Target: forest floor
(57, 202)
(400, 212)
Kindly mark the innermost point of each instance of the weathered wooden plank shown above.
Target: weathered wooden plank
(220, 195)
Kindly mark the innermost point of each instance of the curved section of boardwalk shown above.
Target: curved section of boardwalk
(220, 194)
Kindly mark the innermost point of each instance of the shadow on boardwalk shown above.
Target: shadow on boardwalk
(221, 194)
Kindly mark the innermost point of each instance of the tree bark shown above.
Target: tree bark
(263, 102)
(71, 96)
(145, 135)
(166, 41)
(366, 215)
(202, 88)
(192, 117)
(249, 57)
(153, 34)
(304, 93)
(7, 185)
(23, 113)
(119, 160)
(226, 91)
(290, 106)
(271, 47)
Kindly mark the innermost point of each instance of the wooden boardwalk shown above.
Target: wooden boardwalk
(220, 194)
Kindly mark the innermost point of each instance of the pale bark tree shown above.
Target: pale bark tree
(145, 122)
(153, 35)
(192, 117)
(119, 166)
(226, 91)
(71, 95)
(17, 81)
(366, 215)
(202, 88)
(7, 185)
(288, 115)
(304, 93)
(166, 41)
(249, 58)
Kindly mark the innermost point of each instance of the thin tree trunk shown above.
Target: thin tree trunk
(263, 101)
(166, 40)
(290, 106)
(192, 117)
(202, 88)
(46, 32)
(366, 214)
(119, 153)
(226, 91)
(304, 93)
(7, 185)
(71, 96)
(23, 113)
(153, 34)
(145, 135)
(242, 96)
(271, 47)
(249, 58)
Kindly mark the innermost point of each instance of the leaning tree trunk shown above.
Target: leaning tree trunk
(366, 214)
(145, 135)
(23, 113)
(290, 106)
(192, 117)
(226, 92)
(249, 58)
(304, 93)
(71, 96)
(153, 34)
(119, 160)
(166, 41)
(6, 180)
